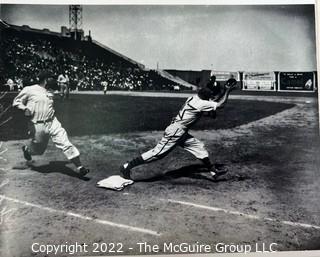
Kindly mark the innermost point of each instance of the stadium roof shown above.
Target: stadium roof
(118, 54)
(26, 28)
(3, 24)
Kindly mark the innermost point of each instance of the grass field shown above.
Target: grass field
(98, 114)
(271, 194)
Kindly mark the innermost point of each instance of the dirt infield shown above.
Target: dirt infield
(271, 194)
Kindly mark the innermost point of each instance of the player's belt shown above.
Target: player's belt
(44, 121)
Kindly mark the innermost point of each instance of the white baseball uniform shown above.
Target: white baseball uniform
(43, 123)
(177, 132)
(104, 84)
(63, 82)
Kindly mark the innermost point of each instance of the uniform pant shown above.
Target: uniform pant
(64, 90)
(175, 135)
(41, 132)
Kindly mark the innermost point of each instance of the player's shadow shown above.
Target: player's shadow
(57, 167)
(194, 171)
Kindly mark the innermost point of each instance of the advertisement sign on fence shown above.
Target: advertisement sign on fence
(264, 81)
(225, 75)
(296, 81)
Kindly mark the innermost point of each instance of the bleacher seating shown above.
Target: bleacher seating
(24, 53)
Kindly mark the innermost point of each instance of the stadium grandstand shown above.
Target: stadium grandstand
(25, 51)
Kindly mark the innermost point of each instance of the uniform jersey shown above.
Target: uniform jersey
(38, 100)
(104, 84)
(63, 79)
(192, 110)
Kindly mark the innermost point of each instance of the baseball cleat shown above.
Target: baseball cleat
(26, 153)
(218, 170)
(125, 171)
(83, 171)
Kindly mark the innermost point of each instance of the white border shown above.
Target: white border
(162, 2)
(317, 21)
(204, 2)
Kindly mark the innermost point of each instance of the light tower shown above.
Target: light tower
(75, 21)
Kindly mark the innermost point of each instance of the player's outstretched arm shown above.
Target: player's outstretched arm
(229, 86)
(223, 99)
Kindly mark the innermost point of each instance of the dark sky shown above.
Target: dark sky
(255, 38)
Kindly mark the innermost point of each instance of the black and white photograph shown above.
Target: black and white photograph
(159, 129)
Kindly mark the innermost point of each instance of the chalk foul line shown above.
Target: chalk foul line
(249, 216)
(83, 217)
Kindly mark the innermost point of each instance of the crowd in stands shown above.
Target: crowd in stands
(23, 58)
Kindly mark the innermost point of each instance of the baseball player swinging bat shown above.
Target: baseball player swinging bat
(207, 100)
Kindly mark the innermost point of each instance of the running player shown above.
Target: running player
(37, 103)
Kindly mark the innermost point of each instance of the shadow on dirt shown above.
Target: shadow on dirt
(195, 171)
(125, 114)
(57, 167)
